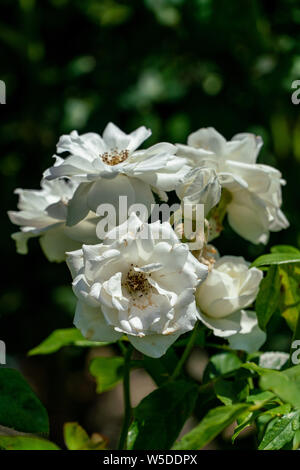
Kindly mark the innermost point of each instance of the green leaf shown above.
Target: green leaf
(107, 371)
(284, 249)
(296, 440)
(276, 258)
(233, 390)
(244, 421)
(261, 424)
(224, 390)
(76, 438)
(280, 431)
(293, 373)
(26, 443)
(218, 383)
(60, 338)
(212, 424)
(282, 385)
(259, 398)
(290, 305)
(220, 364)
(268, 297)
(159, 418)
(161, 369)
(20, 408)
(256, 368)
(206, 400)
(279, 410)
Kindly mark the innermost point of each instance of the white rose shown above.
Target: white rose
(200, 186)
(110, 166)
(43, 212)
(138, 284)
(254, 209)
(230, 287)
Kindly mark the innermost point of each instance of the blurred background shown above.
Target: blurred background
(171, 65)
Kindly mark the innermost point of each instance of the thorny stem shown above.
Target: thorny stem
(126, 394)
(186, 353)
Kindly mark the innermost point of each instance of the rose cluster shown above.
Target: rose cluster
(144, 280)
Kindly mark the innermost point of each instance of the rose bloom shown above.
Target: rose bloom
(43, 213)
(230, 287)
(200, 186)
(255, 189)
(111, 166)
(140, 282)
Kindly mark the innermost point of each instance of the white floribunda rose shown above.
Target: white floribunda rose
(199, 191)
(43, 213)
(140, 282)
(255, 189)
(200, 186)
(230, 287)
(111, 166)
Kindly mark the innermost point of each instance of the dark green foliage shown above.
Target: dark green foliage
(159, 417)
(20, 408)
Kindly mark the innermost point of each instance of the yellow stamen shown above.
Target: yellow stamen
(114, 157)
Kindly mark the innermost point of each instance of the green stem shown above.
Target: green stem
(127, 403)
(186, 353)
(224, 347)
(122, 347)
